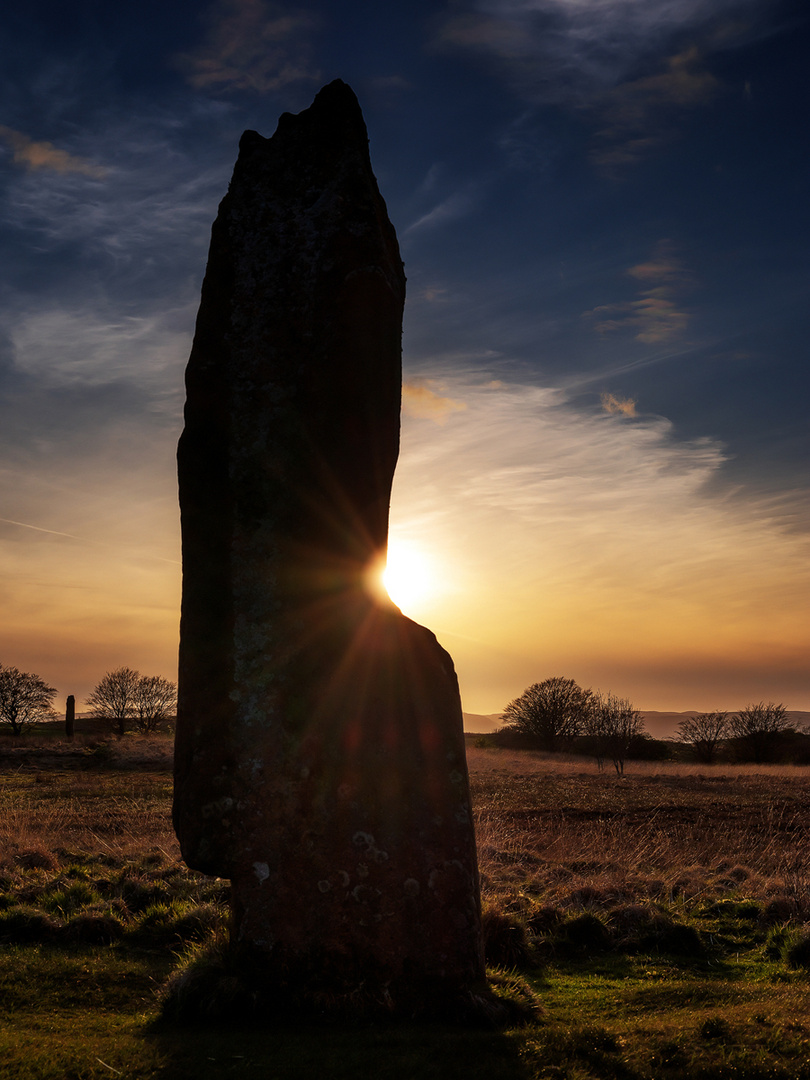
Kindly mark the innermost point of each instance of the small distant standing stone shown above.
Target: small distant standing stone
(320, 760)
(70, 715)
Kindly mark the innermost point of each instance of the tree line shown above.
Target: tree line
(557, 715)
(557, 712)
(123, 698)
(553, 715)
(758, 731)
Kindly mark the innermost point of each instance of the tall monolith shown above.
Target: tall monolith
(319, 755)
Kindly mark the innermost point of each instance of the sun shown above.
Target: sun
(407, 577)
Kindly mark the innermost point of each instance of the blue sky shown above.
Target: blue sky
(602, 208)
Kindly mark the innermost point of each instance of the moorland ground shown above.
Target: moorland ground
(658, 921)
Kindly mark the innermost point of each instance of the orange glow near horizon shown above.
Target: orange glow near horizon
(533, 538)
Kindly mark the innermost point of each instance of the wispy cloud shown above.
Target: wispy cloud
(452, 208)
(654, 319)
(656, 316)
(35, 156)
(155, 195)
(97, 304)
(613, 404)
(587, 54)
(420, 399)
(637, 115)
(252, 45)
(588, 537)
(663, 269)
(60, 349)
(573, 50)
(434, 294)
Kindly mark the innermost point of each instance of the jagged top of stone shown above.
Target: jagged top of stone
(310, 152)
(311, 180)
(333, 117)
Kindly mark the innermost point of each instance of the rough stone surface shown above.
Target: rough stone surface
(319, 755)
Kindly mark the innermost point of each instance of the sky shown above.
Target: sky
(602, 206)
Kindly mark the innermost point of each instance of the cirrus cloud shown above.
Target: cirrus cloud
(656, 316)
(566, 539)
(629, 66)
(252, 45)
(419, 399)
(33, 155)
(574, 50)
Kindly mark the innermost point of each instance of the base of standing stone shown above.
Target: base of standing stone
(224, 985)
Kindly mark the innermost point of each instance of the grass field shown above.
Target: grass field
(661, 919)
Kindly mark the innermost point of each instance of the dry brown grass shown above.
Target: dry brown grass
(551, 830)
(562, 833)
(120, 814)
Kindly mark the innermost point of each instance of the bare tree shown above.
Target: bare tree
(24, 698)
(114, 698)
(613, 724)
(551, 712)
(155, 700)
(595, 728)
(703, 734)
(759, 729)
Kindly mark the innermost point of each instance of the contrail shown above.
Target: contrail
(52, 532)
(85, 540)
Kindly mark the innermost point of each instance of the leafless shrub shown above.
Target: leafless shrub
(703, 734)
(24, 699)
(113, 699)
(155, 700)
(613, 724)
(759, 729)
(124, 696)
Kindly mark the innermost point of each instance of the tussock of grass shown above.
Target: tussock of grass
(797, 953)
(586, 933)
(23, 923)
(506, 941)
(152, 905)
(94, 928)
(206, 987)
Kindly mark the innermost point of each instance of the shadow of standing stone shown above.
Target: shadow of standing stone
(319, 759)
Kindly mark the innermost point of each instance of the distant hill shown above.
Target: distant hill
(664, 725)
(661, 725)
(479, 724)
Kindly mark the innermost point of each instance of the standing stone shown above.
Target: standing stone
(319, 756)
(70, 715)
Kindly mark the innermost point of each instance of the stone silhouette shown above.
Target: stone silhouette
(70, 715)
(319, 754)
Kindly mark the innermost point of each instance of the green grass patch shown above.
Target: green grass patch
(77, 1010)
